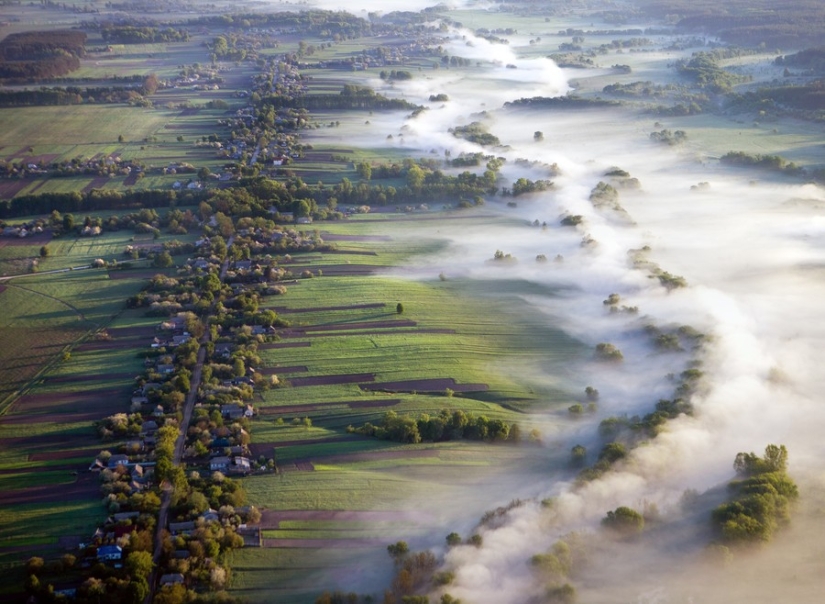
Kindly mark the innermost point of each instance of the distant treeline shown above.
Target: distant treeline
(42, 44)
(129, 34)
(445, 426)
(811, 58)
(560, 102)
(257, 196)
(751, 22)
(318, 22)
(351, 97)
(69, 96)
(95, 200)
(41, 54)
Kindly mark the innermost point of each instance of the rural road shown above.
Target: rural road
(180, 443)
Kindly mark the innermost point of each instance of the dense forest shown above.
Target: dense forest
(41, 54)
(748, 22)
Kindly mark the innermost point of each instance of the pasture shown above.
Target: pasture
(337, 491)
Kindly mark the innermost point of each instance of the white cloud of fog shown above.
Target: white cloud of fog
(752, 254)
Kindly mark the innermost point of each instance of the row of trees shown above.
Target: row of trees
(447, 425)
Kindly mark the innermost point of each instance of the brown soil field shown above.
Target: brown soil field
(279, 370)
(10, 188)
(295, 409)
(85, 487)
(65, 408)
(116, 344)
(38, 239)
(431, 385)
(97, 183)
(132, 179)
(73, 379)
(49, 443)
(390, 324)
(353, 252)
(132, 332)
(328, 380)
(285, 310)
(89, 452)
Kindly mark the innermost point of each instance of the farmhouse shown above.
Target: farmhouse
(109, 553)
(117, 460)
(181, 528)
(219, 464)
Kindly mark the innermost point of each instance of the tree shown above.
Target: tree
(204, 173)
(139, 564)
(398, 550)
(538, 135)
(364, 170)
(120, 138)
(68, 222)
(453, 539)
(624, 520)
(163, 260)
(399, 308)
(44, 251)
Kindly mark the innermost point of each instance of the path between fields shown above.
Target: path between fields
(34, 291)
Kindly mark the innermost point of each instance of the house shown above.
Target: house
(219, 464)
(117, 460)
(210, 516)
(109, 553)
(148, 427)
(220, 443)
(232, 411)
(158, 412)
(165, 368)
(240, 465)
(179, 528)
(304, 220)
(223, 351)
(181, 339)
(171, 579)
(122, 516)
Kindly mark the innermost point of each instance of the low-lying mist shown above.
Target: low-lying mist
(751, 256)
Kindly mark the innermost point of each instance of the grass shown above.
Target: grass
(496, 337)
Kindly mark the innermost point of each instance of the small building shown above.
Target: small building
(117, 460)
(171, 579)
(219, 464)
(109, 553)
(122, 516)
(232, 411)
(240, 465)
(149, 427)
(181, 528)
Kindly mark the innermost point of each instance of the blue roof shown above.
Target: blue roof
(104, 550)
